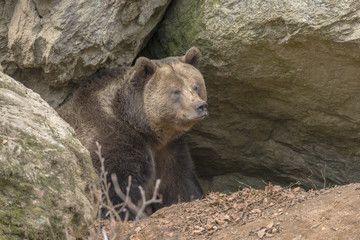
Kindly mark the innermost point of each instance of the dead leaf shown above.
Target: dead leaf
(266, 190)
(270, 225)
(256, 210)
(219, 221)
(227, 218)
(277, 188)
(261, 233)
(199, 229)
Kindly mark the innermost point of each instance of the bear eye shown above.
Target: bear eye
(196, 88)
(177, 92)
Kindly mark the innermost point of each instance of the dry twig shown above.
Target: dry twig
(104, 202)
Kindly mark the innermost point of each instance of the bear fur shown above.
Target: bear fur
(139, 115)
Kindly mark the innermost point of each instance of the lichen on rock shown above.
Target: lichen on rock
(44, 170)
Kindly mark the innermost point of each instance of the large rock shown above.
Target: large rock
(283, 83)
(44, 170)
(49, 45)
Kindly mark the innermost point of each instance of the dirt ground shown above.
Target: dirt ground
(273, 213)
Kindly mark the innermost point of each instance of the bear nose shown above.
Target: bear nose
(201, 107)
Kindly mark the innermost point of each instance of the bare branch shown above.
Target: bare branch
(104, 202)
(126, 198)
(144, 205)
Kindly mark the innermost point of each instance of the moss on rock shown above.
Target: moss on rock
(44, 170)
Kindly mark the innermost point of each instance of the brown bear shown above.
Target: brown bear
(139, 115)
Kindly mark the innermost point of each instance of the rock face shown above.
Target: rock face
(283, 83)
(49, 45)
(44, 170)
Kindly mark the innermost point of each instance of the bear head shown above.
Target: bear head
(174, 93)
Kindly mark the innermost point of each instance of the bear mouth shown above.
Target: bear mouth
(201, 116)
(194, 118)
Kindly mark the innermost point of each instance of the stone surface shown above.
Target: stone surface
(50, 45)
(44, 170)
(283, 84)
(230, 182)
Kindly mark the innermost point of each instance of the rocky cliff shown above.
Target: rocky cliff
(50, 45)
(283, 83)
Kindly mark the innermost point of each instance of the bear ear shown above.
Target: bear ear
(192, 56)
(145, 68)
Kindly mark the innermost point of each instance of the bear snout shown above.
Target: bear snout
(201, 108)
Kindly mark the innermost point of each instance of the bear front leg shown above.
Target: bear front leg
(193, 185)
(135, 163)
(174, 167)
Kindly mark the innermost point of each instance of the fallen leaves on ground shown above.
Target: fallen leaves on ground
(202, 218)
(219, 215)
